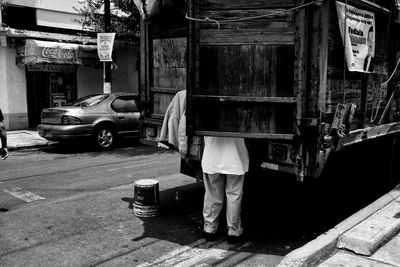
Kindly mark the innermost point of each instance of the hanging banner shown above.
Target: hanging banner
(357, 28)
(105, 42)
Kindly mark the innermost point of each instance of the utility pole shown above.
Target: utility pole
(107, 65)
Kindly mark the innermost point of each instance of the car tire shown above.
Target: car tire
(104, 137)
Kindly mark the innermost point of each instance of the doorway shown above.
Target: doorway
(47, 89)
(38, 86)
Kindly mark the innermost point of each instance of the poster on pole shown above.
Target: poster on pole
(357, 28)
(105, 42)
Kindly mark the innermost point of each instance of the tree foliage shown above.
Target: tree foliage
(125, 19)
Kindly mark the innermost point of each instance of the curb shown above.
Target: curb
(320, 248)
(13, 148)
(369, 235)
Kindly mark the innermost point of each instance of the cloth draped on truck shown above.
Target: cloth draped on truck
(173, 130)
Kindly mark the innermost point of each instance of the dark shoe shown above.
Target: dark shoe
(235, 239)
(209, 236)
(4, 153)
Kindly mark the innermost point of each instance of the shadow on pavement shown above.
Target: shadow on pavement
(125, 148)
(279, 214)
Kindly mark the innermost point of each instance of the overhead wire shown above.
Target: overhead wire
(268, 14)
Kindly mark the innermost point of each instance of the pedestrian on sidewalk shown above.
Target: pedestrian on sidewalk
(3, 138)
(225, 161)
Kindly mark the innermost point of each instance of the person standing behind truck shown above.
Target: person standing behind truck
(225, 161)
(3, 137)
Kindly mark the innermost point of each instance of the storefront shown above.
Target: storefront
(40, 74)
(51, 73)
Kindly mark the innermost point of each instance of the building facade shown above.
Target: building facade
(47, 60)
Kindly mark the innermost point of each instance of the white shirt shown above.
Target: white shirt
(225, 155)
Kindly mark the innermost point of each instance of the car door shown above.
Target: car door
(127, 115)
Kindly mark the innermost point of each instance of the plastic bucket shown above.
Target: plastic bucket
(146, 198)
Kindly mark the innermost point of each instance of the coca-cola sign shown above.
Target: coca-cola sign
(58, 53)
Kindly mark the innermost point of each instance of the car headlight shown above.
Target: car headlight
(70, 120)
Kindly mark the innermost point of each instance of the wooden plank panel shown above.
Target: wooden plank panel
(247, 70)
(284, 36)
(225, 16)
(161, 102)
(169, 77)
(168, 71)
(244, 117)
(285, 71)
(169, 52)
(244, 4)
(278, 29)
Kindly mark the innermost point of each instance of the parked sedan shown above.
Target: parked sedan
(102, 118)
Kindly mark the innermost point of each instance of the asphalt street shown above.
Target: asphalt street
(71, 206)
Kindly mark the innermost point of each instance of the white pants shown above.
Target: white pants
(217, 185)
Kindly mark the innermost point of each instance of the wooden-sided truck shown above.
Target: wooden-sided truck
(290, 74)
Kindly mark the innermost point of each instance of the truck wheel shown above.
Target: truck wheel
(104, 137)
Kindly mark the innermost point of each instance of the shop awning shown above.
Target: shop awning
(35, 52)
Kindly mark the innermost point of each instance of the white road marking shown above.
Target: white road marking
(134, 166)
(19, 193)
(193, 254)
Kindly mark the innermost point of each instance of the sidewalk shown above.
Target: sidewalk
(370, 237)
(25, 139)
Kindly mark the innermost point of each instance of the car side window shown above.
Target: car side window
(124, 104)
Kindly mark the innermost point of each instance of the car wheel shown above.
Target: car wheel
(104, 138)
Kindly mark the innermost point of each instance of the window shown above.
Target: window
(124, 104)
(88, 101)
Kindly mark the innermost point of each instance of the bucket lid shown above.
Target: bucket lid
(146, 182)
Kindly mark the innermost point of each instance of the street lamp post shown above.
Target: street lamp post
(107, 65)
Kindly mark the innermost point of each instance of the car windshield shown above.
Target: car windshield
(88, 101)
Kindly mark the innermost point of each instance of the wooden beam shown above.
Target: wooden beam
(283, 100)
(192, 62)
(246, 135)
(143, 62)
(164, 90)
(245, 4)
(323, 56)
(301, 47)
